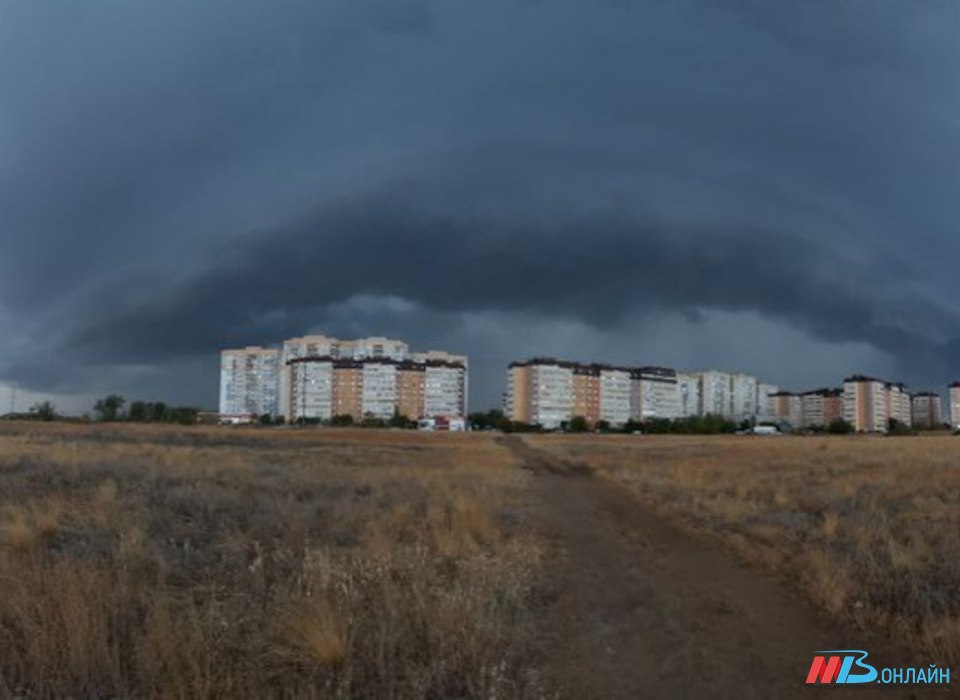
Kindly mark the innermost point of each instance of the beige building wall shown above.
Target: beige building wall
(866, 404)
(410, 384)
(788, 408)
(348, 390)
(832, 408)
(518, 394)
(586, 395)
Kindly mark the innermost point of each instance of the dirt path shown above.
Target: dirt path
(647, 611)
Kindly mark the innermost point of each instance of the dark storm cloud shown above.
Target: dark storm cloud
(179, 177)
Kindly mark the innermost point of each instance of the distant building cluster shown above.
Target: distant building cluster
(317, 377)
(550, 393)
(866, 403)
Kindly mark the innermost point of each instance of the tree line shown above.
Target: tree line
(689, 425)
(114, 408)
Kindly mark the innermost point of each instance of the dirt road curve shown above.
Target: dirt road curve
(647, 611)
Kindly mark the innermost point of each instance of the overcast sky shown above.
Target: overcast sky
(759, 185)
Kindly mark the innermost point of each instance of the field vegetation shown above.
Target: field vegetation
(867, 527)
(156, 561)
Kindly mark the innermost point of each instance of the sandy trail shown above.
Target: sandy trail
(645, 610)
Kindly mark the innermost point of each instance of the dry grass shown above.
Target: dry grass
(167, 562)
(867, 527)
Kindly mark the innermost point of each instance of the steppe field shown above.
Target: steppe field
(152, 561)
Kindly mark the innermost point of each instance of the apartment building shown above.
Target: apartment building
(347, 393)
(249, 382)
(444, 387)
(323, 387)
(688, 390)
(788, 408)
(586, 392)
(765, 394)
(550, 392)
(616, 395)
(376, 347)
(866, 404)
(516, 401)
(926, 410)
(319, 376)
(821, 407)
(899, 405)
(743, 396)
(656, 392)
(954, 393)
(714, 393)
(311, 388)
(379, 389)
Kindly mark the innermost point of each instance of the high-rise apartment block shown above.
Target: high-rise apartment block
(318, 377)
(616, 395)
(743, 397)
(249, 382)
(866, 404)
(765, 394)
(899, 405)
(788, 408)
(688, 386)
(656, 393)
(927, 410)
(954, 393)
(551, 392)
(714, 393)
(821, 407)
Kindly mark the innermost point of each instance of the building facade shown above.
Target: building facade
(765, 392)
(317, 377)
(586, 392)
(379, 388)
(821, 407)
(865, 404)
(899, 405)
(616, 395)
(249, 382)
(656, 393)
(788, 409)
(743, 397)
(714, 393)
(550, 393)
(927, 410)
(954, 394)
(688, 389)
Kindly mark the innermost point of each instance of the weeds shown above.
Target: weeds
(164, 563)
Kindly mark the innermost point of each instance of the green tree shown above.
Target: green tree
(139, 412)
(401, 421)
(45, 411)
(839, 427)
(109, 408)
(578, 424)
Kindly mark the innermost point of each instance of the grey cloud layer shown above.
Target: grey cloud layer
(569, 160)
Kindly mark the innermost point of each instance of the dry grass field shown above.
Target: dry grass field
(867, 527)
(158, 561)
(166, 562)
